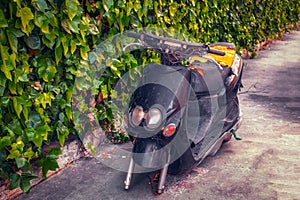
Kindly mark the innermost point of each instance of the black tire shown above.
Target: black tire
(184, 164)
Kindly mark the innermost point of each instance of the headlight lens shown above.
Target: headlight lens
(137, 115)
(153, 118)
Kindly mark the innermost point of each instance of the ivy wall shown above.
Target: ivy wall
(43, 43)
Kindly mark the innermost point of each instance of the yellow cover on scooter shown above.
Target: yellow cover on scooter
(227, 59)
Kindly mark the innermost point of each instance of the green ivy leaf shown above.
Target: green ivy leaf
(49, 43)
(54, 151)
(104, 91)
(65, 42)
(12, 87)
(73, 25)
(107, 4)
(41, 134)
(13, 41)
(45, 27)
(129, 8)
(3, 20)
(92, 57)
(20, 75)
(58, 54)
(48, 163)
(52, 18)
(39, 19)
(68, 111)
(15, 180)
(51, 36)
(30, 133)
(2, 89)
(137, 6)
(17, 106)
(5, 141)
(72, 8)
(134, 21)
(14, 153)
(13, 59)
(16, 32)
(20, 162)
(62, 133)
(16, 149)
(25, 181)
(3, 174)
(4, 67)
(15, 126)
(34, 121)
(41, 4)
(84, 52)
(47, 72)
(2, 79)
(29, 154)
(44, 99)
(18, 3)
(26, 16)
(73, 46)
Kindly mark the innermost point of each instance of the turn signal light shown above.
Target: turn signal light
(169, 130)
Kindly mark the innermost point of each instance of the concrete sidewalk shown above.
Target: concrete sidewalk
(264, 165)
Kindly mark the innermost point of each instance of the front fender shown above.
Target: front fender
(148, 153)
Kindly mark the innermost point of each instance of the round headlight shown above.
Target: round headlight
(153, 118)
(137, 115)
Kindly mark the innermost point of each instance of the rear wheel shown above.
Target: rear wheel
(184, 164)
(189, 159)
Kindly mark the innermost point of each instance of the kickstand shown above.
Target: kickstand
(235, 135)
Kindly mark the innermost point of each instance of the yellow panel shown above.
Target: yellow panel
(226, 60)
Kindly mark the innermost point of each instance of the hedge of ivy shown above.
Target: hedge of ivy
(43, 43)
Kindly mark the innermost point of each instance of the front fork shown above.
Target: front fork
(162, 177)
(129, 174)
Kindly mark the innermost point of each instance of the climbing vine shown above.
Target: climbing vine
(44, 43)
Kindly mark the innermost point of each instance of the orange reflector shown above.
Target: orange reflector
(169, 130)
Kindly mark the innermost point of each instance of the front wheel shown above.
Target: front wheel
(184, 164)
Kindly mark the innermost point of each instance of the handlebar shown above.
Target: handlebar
(217, 52)
(133, 35)
(173, 45)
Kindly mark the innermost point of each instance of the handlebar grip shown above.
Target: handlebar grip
(217, 52)
(133, 35)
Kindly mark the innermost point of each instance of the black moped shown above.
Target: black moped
(181, 113)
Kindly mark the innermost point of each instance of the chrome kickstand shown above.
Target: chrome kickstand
(162, 179)
(129, 174)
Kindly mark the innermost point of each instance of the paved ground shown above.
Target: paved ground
(264, 165)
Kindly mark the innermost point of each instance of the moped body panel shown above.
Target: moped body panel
(149, 153)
